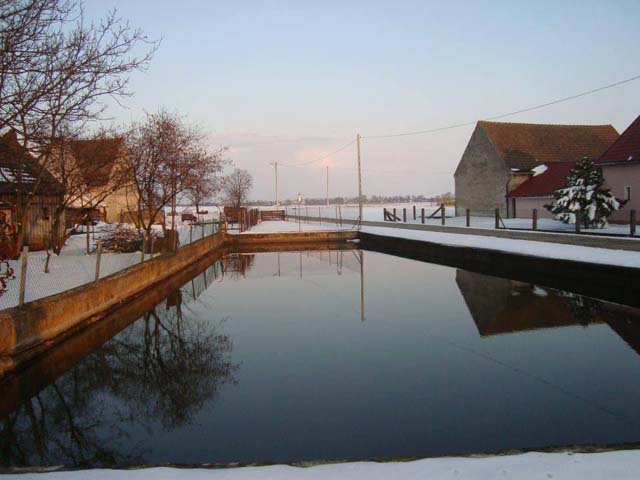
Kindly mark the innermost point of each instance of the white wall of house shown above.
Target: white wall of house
(617, 178)
(525, 206)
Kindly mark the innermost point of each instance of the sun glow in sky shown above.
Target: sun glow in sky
(295, 80)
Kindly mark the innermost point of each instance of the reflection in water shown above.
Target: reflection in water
(306, 378)
(159, 370)
(499, 305)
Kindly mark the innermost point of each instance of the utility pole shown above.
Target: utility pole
(359, 183)
(327, 185)
(276, 168)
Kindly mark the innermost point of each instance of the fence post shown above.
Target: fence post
(191, 233)
(442, 213)
(384, 214)
(535, 218)
(404, 215)
(422, 215)
(394, 215)
(468, 213)
(632, 222)
(578, 220)
(23, 275)
(497, 218)
(99, 257)
(144, 245)
(88, 238)
(414, 212)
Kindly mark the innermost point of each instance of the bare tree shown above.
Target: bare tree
(55, 67)
(208, 184)
(167, 157)
(236, 188)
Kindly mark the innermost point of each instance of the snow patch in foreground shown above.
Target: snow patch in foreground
(619, 465)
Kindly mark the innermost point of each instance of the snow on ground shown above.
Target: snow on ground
(619, 465)
(528, 247)
(281, 227)
(73, 267)
(375, 213)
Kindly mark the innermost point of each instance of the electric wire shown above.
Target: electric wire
(503, 115)
(302, 164)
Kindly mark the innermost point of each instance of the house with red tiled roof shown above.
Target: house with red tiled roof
(501, 156)
(620, 164)
(621, 170)
(99, 185)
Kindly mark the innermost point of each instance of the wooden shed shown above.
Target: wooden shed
(24, 182)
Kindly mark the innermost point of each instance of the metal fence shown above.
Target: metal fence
(64, 272)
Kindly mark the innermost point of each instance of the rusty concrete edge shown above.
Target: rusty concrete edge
(572, 449)
(290, 237)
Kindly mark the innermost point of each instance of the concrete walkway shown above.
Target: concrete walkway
(631, 244)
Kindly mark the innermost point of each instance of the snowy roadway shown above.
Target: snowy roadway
(619, 465)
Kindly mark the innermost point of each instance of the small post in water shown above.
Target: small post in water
(414, 212)
(578, 220)
(535, 218)
(497, 218)
(153, 241)
(468, 213)
(191, 233)
(319, 216)
(394, 215)
(632, 222)
(23, 274)
(98, 258)
(404, 215)
(422, 215)
(442, 213)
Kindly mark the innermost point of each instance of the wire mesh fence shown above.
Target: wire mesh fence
(64, 272)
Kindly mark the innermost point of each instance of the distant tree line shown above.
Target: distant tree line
(446, 198)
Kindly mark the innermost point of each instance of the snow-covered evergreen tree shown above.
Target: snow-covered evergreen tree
(584, 192)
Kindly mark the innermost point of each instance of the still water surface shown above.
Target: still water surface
(339, 355)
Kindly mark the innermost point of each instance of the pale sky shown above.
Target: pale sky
(295, 80)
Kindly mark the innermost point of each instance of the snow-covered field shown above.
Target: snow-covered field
(73, 267)
(375, 213)
(618, 465)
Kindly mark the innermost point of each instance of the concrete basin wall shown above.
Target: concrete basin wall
(44, 320)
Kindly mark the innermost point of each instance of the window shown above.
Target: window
(627, 193)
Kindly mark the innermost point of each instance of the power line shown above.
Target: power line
(503, 115)
(320, 158)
